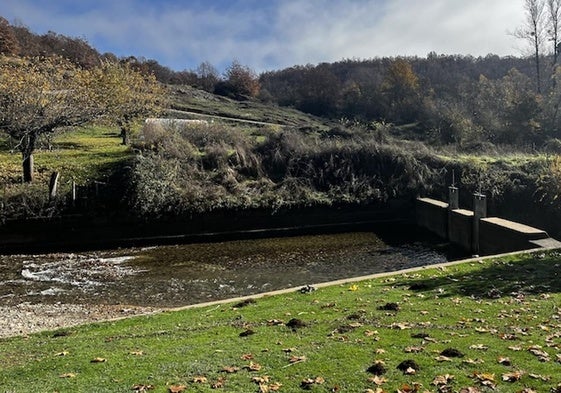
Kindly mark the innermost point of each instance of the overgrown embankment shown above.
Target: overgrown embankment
(182, 169)
(203, 172)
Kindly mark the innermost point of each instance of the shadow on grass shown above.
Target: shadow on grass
(526, 274)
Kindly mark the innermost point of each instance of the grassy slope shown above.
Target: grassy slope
(185, 98)
(84, 154)
(491, 310)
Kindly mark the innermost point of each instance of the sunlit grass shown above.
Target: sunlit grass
(501, 315)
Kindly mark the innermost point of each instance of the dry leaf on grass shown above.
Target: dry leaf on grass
(230, 369)
(442, 379)
(177, 388)
(513, 376)
(142, 388)
(297, 359)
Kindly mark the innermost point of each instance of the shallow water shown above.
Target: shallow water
(168, 276)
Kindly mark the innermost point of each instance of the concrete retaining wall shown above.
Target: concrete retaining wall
(433, 216)
(493, 235)
(460, 228)
(498, 235)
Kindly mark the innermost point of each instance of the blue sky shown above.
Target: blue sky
(274, 34)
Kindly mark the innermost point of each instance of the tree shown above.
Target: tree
(9, 44)
(241, 81)
(533, 32)
(128, 95)
(207, 76)
(401, 87)
(553, 28)
(41, 95)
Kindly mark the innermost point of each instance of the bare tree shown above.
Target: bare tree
(553, 28)
(533, 32)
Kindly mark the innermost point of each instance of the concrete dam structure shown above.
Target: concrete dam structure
(473, 231)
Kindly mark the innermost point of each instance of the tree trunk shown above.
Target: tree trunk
(27, 165)
(125, 136)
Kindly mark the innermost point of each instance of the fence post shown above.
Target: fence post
(53, 185)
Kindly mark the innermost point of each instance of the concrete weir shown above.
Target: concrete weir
(474, 231)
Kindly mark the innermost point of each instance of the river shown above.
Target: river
(178, 275)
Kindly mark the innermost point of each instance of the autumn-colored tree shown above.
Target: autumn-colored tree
(9, 44)
(41, 95)
(128, 95)
(240, 81)
(401, 87)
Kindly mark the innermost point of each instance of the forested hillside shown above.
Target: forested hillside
(375, 130)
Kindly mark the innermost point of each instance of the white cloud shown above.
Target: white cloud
(280, 33)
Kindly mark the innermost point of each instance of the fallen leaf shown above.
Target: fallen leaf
(410, 371)
(308, 382)
(219, 383)
(142, 388)
(515, 348)
(230, 369)
(443, 359)
(480, 347)
(297, 359)
(260, 380)
(485, 379)
(353, 288)
(473, 361)
(377, 380)
(504, 361)
(247, 356)
(177, 388)
(544, 378)
(274, 387)
(200, 379)
(136, 353)
(370, 333)
(405, 388)
(67, 375)
(539, 353)
(63, 353)
(380, 351)
(414, 349)
(400, 325)
(469, 389)
(98, 360)
(442, 379)
(513, 376)
(253, 367)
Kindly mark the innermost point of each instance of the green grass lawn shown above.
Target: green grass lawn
(82, 154)
(479, 326)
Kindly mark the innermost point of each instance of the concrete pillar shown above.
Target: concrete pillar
(479, 211)
(453, 198)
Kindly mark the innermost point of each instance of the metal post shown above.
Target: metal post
(453, 198)
(479, 211)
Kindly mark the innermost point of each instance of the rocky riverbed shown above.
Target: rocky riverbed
(27, 318)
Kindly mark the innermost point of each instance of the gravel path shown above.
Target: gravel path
(26, 318)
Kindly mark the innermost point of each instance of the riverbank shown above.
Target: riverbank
(430, 326)
(26, 318)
